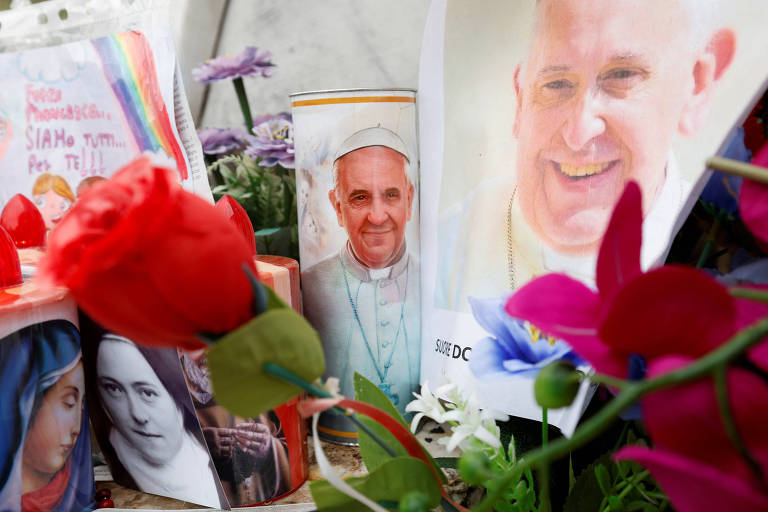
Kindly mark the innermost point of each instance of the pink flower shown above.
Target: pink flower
(753, 202)
(670, 316)
(693, 458)
(669, 310)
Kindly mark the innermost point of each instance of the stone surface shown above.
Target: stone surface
(345, 460)
(334, 44)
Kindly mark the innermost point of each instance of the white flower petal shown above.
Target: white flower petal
(456, 415)
(483, 435)
(415, 422)
(458, 436)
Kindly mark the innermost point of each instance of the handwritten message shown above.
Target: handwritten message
(57, 136)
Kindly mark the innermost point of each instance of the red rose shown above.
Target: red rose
(150, 261)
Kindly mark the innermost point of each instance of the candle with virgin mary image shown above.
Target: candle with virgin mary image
(45, 452)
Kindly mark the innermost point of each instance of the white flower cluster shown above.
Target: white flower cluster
(472, 427)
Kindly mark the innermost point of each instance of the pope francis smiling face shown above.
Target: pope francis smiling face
(372, 200)
(606, 88)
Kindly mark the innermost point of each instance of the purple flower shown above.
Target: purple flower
(515, 348)
(216, 141)
(226, 67)
(272, 141)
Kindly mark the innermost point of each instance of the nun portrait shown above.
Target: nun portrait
(145, 422)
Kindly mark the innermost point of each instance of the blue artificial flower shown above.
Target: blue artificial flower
(516, 348)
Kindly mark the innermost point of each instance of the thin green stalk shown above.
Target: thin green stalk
(726, 415)
(635, 390)
(600, 378)
(278, 371)
(282, 373)
(749, 293)
(704, 256)
(630, 485)
(242, 98)
(544, 504)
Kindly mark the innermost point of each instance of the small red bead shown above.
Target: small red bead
(105, 503)
(103, 494)
(24, 222)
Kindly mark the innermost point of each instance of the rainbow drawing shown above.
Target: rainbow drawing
(129, 67)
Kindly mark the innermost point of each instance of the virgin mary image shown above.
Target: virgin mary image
(45, 451)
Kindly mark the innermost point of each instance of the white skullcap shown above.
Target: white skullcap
(376, 136)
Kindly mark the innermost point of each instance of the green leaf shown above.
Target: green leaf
(280, 336)
(624, 468)
(603, 479)
(267, 231)
(389, 482)
(615, 504)
(373, 454)
(586, 494)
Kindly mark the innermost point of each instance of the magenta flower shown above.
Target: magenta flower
(217, 141)
(272, 141)
(670, 316)
(669, 310)
(248, 63)
(753, 202)
(693, 458)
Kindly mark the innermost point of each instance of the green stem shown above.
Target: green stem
(282, 373)
(630, 485)
(242, 98)
(600, 378)
(749, 293)
(704, 256)
(635, 390)
(726, 415)
(544, 504)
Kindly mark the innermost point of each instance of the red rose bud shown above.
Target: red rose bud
(150, 261)
(237, 215)
(10, 268)
(24, 222)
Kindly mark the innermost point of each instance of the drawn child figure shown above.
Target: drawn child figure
(87, 183)
(53, 198)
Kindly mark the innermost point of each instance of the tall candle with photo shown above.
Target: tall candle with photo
(45, 452)
(357, 174)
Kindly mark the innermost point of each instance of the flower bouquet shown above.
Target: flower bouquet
(254, 164)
